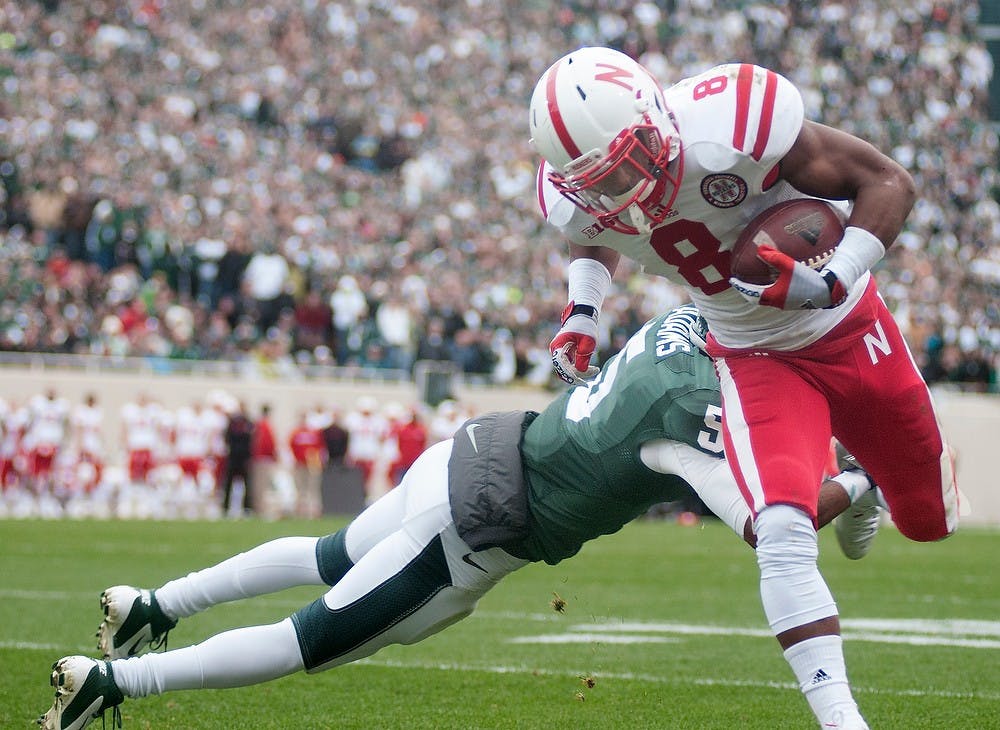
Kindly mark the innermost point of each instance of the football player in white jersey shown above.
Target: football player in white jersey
(45, 437)
(15, 420)
(669, 178)
(140, 427)
(192, 441)
(88, 434)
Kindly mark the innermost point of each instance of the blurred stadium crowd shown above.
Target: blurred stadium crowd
(300, 182)
(198, 460)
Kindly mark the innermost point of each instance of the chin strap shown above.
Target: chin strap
(639, 219)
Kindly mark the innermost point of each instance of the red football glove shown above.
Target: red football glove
(797, 286)
(574, 344)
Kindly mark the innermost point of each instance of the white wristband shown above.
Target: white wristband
(859, 250)
(589, 282)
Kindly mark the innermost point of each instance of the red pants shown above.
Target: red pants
(140, 463)
(190, 465)
(858, 383)
(41, 460)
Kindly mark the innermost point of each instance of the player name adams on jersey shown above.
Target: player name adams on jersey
(736, 122)
(584, 474)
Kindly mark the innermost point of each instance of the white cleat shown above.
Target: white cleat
(857, 526)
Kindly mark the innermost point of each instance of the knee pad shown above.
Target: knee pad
(785, 537)
(792, 590)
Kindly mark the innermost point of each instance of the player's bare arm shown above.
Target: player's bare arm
(832, 164)
(607, 256)
(828, 163)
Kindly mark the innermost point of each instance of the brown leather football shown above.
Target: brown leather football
(806, 229)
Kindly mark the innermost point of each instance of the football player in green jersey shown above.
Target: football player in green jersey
(507, 489)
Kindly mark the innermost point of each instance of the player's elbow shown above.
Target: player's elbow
(900, 181)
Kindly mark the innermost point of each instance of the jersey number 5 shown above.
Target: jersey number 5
(710, 438)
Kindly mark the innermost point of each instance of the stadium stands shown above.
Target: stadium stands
(202, 180)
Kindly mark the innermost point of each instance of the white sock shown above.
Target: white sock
(818, 664)
(267, 568)
(854, 483)
(236, 658)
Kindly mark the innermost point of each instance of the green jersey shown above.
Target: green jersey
(581, 457)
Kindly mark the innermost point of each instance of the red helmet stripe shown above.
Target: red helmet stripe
(744, 84)
(766, 114)
(539, 185)
(556, 116)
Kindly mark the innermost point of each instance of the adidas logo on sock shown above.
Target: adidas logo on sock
(820, 676)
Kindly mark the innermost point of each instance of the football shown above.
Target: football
(806, 229)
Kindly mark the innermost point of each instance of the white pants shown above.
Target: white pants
(406, 556)
(394, 545)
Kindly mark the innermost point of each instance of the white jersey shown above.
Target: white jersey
(165, 423)
(366, 434)
(318, 420)
(443, 426)
(142, 426)
(736, 122)
(15, 424)
(193, 431)
(48, 422)
(88, 424)
(217, 422)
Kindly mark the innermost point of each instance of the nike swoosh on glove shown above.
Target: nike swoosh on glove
(797, 286)
(574, 344)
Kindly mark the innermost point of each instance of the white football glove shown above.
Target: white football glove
(574, 344)
(797, 285)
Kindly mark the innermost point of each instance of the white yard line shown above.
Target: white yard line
(659, 679)
(917, 632)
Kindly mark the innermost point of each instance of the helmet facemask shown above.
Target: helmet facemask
(634, 177)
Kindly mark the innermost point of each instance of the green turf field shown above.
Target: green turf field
(664, 620)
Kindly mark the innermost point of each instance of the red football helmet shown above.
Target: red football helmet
(600, 120)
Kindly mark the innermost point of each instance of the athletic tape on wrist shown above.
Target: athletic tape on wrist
(589, 282)
(859, 250)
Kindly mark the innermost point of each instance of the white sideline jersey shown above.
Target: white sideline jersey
(47, 427)
(88, 423)
(736, 122)
(140, 422)
(192, 433)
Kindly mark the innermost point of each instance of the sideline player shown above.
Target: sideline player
(670, 178)
(45, 437)
(87, 420)
(508, 489)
